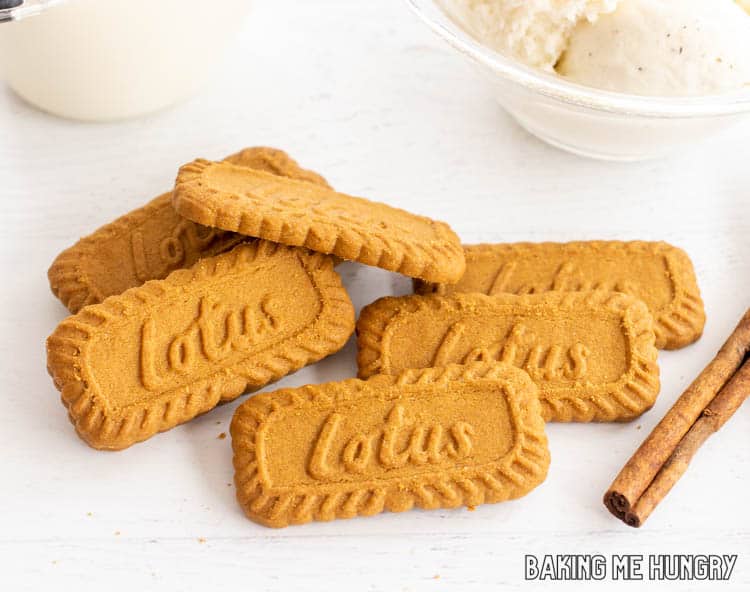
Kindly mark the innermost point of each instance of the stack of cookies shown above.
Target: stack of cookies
(227, 284)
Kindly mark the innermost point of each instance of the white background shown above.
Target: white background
(363, 93)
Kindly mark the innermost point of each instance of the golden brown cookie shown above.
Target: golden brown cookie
(657, 273)
(160, 354)
(150, 242)
(291, 212)
(437, 438)
(591, 353)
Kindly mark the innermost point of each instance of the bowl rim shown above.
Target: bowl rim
(556, 87)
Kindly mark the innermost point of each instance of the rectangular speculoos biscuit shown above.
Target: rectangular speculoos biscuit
(658, 273)
(152, 241)
(437, 438)
(292, 212)
(591, 353)
(160, 354)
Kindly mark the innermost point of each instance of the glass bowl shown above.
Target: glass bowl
(584, 120)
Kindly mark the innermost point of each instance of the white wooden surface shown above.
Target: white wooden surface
(363, 93)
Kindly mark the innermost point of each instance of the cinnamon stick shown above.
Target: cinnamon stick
(729, 399)
(664, 450)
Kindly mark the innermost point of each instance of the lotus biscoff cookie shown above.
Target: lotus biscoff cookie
(292, 212)
(659, 274)
(150, 242)
(436, 438)
(591, 353)
(160, 354)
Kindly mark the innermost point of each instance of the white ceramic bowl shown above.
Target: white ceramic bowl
(585, 120)
(113, 59)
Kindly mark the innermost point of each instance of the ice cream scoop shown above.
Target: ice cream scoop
(534, 32)
(583, 119)
(663, 47)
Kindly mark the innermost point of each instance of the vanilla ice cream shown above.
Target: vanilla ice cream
(534, 32)
(662, 47)
(644, 47)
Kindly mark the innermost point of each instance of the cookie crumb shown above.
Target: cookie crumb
(201, 540)
(222, 435)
